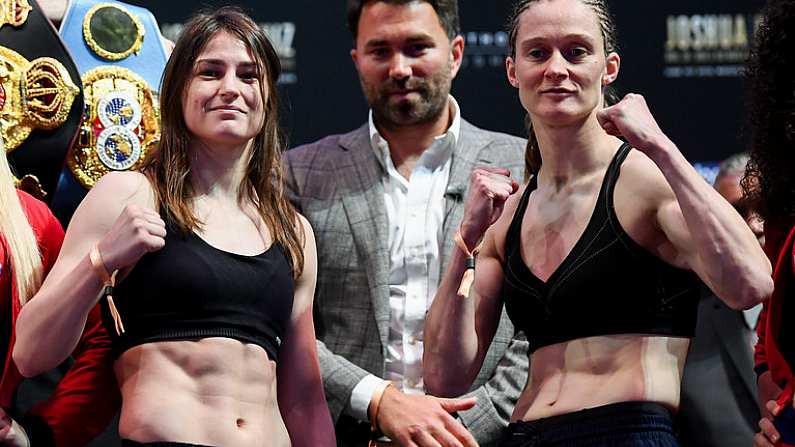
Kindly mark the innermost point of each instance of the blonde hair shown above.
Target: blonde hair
(16, 232)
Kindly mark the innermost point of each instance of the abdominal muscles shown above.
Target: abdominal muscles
(595, 371)
(214, 391)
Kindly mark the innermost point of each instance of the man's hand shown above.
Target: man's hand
(420, 421)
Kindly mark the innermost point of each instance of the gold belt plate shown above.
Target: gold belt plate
(33, 95)
(14, 12)
(121, 124)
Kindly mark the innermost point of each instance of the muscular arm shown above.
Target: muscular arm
(711, 236)
(49, 327)
(704, 232)
(459, 329)
(301, 400)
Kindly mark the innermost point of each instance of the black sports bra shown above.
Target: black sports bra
(608, 284)
(192, 290)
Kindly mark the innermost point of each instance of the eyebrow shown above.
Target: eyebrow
(423, 37)
(572, 36)
(223, 62)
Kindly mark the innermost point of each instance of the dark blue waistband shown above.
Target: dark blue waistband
(613, 420)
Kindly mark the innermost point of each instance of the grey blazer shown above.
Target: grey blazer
(336, 183)
(718, 406)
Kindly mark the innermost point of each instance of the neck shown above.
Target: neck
(569, 152)
(216, 171)
(410, 141)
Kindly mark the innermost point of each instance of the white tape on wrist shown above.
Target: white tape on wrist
(16, 436)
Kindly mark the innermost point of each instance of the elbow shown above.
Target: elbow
(25, 361)
(754, 291)
(28, 360)
(434, 383)
(439, 384)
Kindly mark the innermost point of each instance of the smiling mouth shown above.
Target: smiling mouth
(227, 109)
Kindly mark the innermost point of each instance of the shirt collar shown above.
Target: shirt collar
(441, 148)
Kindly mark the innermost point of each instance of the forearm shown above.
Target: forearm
(450, 359)
(497, 397)
(729, 256)
(50, 325)
(309, 423)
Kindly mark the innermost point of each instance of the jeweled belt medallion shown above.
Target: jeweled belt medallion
(121, 124)
(33, 95)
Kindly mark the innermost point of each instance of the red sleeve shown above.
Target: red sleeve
(774, 237)
(87, 398)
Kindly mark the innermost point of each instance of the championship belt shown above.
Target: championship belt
(40, 96)
(120, 54)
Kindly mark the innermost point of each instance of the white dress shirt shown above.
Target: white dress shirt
(415, 215)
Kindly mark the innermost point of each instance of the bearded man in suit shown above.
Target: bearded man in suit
(385, 201)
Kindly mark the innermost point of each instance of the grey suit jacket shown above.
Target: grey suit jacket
(718, 406)
(337, 184)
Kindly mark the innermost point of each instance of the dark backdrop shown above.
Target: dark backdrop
(693, 88)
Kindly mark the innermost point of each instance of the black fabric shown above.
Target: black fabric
(192, 290)
(608, 284)
(39, 433)
(624, 424)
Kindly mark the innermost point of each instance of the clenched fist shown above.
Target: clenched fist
(489, 189)
(631, 119)
(137, 231)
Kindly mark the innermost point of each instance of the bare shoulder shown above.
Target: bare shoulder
(641, 192)
(108, 198)
(126, 187)
(307, 237)
(641, 178)
(305, 228)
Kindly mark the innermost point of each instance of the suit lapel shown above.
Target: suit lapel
(468, 155)
(363, 201)
(726, 323)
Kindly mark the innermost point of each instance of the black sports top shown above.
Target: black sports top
(190, 290)
(608, 284)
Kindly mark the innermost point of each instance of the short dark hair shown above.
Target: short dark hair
(446, 10)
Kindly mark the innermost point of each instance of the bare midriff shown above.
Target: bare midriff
(214, 392)
(596, 371)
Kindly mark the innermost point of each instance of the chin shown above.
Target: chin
(561, 115)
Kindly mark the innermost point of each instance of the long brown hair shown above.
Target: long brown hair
(609, 97)
(263, 183)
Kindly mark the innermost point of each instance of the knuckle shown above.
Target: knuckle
(414, 430)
